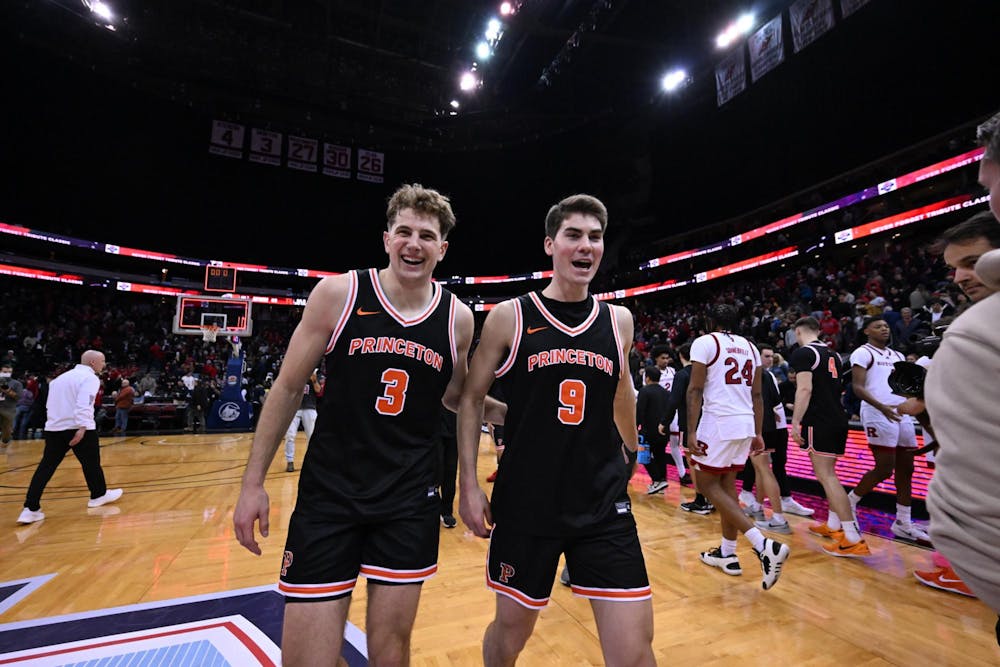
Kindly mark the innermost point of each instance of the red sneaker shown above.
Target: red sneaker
(492, 478)
(944, 579)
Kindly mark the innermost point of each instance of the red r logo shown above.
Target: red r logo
(506, 572)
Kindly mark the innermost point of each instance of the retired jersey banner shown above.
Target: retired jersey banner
(227, 139)
(302, 153)
(371, 166)
(265, 147)
(337, 161)
(731, 76)
(767, 48)
(848, 7)
(810, 19)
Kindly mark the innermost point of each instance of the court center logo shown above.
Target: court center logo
(229, 412)
(506, 573)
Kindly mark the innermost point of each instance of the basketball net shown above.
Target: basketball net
(209, 332)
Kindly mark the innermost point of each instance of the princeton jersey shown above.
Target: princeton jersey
(825, 410)
(373, 450)
(731, 362)
(562, 471)
(879, 364)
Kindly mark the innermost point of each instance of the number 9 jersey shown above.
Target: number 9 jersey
(373, 451)
(562, 472)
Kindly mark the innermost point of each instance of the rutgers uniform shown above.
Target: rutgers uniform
(880, 430)
(367, 487)
(727, 421)
(561, 484)
(824, 424)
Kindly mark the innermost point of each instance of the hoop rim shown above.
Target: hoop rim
(209, 332)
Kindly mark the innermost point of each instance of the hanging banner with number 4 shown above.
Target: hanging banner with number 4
(227, 139)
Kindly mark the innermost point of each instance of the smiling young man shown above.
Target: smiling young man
(561, 486)
(395, 345)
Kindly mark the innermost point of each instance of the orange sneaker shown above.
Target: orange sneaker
(824, 530)
(492, 478)
(843, 549)
(945, 579)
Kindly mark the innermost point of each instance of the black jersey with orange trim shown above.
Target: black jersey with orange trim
(825, 410)
(562, 472)
(372, 452)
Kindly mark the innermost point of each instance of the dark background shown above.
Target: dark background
(96, 150)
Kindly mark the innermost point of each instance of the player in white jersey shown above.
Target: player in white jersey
(891, 436)
(725, 389)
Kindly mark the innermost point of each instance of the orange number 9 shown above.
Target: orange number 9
(572, 395)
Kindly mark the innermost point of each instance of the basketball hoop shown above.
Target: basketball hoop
(209, 332)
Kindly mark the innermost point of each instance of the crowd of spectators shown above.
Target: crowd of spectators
(49, 326)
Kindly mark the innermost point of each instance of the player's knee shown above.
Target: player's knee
(508, 636)
(389, 651)
(884, 470)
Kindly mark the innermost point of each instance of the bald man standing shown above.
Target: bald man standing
(70, 426)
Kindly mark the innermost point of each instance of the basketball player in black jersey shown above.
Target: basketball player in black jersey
(561, 485)
(395, 345)
(819, 426)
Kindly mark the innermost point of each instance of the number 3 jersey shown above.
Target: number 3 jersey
(373, 453)
(562, 471)
(731, 362)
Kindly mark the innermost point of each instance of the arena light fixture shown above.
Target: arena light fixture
(506, 9)
(468, 81)
(454, 104)
(102, 10)
(493, 30)
(739, 28)
(673, 80)
(483, 50)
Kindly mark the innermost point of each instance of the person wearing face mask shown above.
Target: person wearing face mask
(10, 393)
(70, 427)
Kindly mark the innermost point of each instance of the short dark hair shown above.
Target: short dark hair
(765, 346)
(653, 373)
(584, 204)
(724, 315)
(685, 351)
(988, 135)
(981, 225)
(807, 323)
(658, 350)
(865, 323)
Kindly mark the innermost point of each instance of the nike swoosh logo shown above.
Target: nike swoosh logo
(946, 580)
(532, 330)
(361, 312)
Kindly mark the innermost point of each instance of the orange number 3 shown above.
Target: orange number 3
(572, 395)
(391, 401)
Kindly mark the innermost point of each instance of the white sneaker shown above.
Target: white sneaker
(728, 564)
(29, 516)
(791, 506)
(774, 526)
(747, 499)
(655, 487)
(109, 497)
(755, 511)
(772, 557)
(909, 531)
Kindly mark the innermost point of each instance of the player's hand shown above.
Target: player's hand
(911, 406)
(474, 508)
(757, 445)
(77, 437)
(659, 427)
(695, 446)
(797, 434)
(890, 413)
(252, 506)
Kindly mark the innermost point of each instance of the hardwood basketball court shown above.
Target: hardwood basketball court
(171, 536)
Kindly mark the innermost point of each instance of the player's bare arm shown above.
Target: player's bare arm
(625, 394)
(305, 349)
(497, 338)
(695, 395)
(858, 376)
(803, 394)
(493, 410)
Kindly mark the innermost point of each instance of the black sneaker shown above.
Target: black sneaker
(448, 521)
(772, 556)
(686, 480)
(290, 467)
(728, 564)
(698, 508)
